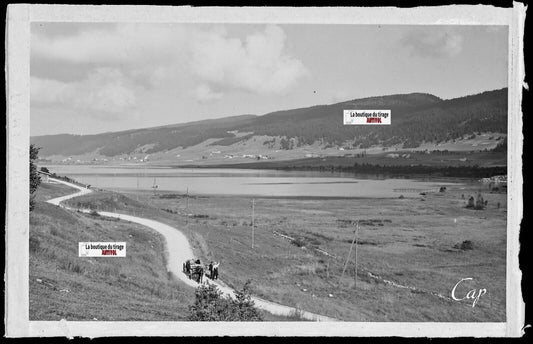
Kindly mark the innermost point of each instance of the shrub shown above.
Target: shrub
(465, 245)
(210, 305)
(470, 202)
(298, 242)
(34, 244)
(480, 203)
(35, 179)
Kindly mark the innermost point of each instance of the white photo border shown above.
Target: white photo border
(19, 18)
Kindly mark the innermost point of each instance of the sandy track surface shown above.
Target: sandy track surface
(179, 250)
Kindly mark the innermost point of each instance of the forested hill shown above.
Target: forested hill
(124, 142)
(415, 118)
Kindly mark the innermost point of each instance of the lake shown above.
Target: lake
(247, 182)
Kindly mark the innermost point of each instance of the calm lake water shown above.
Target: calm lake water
(244, 182)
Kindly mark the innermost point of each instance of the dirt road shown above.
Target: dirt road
(179, 250)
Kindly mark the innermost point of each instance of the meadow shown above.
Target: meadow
(410, 251)
(65, 286)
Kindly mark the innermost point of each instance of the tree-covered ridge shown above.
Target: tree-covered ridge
(415, 118)
(161, 138)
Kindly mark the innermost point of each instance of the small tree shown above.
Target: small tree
(35, 180)
(244, 306)
(470, 202)
(480, 203)
(210, 305)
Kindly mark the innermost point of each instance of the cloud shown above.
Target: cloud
(106, 93)
(162, 55)
(258, 64)
(433, 43)
(120, 44)
(45, 91)
(204, 94)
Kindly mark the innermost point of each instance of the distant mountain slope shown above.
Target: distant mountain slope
(123, 142)
(415, 118)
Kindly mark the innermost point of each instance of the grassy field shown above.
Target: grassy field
(48, 191)
(64, 286)
(417, 243)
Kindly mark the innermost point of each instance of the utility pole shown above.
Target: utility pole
(349, 253)
(137, 193)
(356, 242)
(187, 200)
(253, 220)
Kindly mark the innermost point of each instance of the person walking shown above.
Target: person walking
(215, 271)
(211, 270)
(188, 266)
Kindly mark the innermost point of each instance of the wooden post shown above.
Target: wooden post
(356, 242)
(137, 193)
(348, 258)
(253, 220)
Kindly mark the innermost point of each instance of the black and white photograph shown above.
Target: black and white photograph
(191, 171)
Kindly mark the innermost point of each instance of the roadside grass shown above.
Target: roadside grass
(294, 316)
(411, 242)
(52, 190)
(65, 286)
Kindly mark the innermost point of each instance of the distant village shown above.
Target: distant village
(139, 157)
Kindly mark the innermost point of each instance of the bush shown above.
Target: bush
(210, 305)
(35, 179)
(298, 242)
(34, 244)
(480, 203)
(465, 245)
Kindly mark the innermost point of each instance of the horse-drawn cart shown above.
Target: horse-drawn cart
(195, 270)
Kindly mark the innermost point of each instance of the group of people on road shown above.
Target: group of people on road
(213, 270)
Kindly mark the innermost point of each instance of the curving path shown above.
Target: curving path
(179, 251)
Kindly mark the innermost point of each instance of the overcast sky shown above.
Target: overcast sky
(92, 78)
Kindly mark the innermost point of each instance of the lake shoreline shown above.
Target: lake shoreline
(387, 172)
